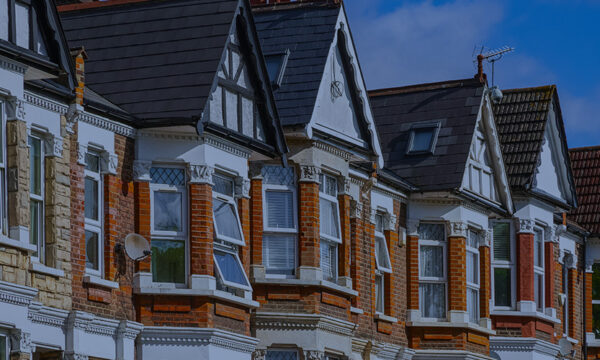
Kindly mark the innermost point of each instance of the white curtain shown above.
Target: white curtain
(431, 262)
(329, 218)
(433, 300)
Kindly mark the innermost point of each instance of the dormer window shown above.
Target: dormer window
(276, 64)
(20, 26)
(422, 138)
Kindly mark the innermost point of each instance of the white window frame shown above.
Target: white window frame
(503, 264)
(380, 236)
(230, 199)
(435, 280)
(594, 302)
(326, 239)
(565, 286)
(477, 165)
(471, 285)
(96, 226)
(227, 283)
(295, 351)
(3, 188)
(6, 345)
(283, 231)
(172, 235)
(540, 271)
(41, 241)
(435, 130)
(381, 269)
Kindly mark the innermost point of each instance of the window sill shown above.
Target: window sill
(536, 315)
(446, 324)
(303, 282)
(40, 268)
(386, 318)
(355, 310)
(217, 294)
(95, 280)
(5, 240)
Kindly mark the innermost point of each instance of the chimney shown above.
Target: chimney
(481, 76)
(79, 55)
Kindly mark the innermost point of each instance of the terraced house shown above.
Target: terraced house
(290, 213)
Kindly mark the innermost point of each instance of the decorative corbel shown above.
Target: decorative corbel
(309, 173)
(54, 146)
(457, 229)
(141, 170)
(356, 209)
(71, 117)
(242, 188)
(412, 227)
(81, 151)
(15, 109)
(201, 174)
(20, 342)
(524, 225)
(109, 163)
(255, 170)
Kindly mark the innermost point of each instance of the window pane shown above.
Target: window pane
(502, 241)
(168, 261)
(596, 282)
(431, 261)
(91, 199)
(433, 300)
(472, 267)
(167, 211)
(502, 288)
(473, 305)
(379, 223)
(432, 232)
(596, 320)
(279, 253)
(3, 29)
(35, 166)
(3, 354)
(328, 185)
(381, 253)
(280, 209)
(231, 268)
(474, 239)
(222, 185)
(226, 219)
(475, 174)
(379, 293)
(92, 162)
(273, 63)
(278, 175)
(91, 250)
(486, 179)
(329, 218)
(36, 226)
(281, 355)
(538, 249)
(422, 139)
(538, 289)
(328, 260)
(22, 24)
(168, 176)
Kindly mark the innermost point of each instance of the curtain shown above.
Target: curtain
(433, 300)
(431, 262)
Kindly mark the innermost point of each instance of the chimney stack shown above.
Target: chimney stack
(79, 55)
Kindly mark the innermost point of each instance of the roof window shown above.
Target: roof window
(422, 138)
(276, 64)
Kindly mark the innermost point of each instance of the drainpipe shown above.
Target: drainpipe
(585, 348)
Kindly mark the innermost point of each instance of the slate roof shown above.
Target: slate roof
(521, 121)
(308, 32)
(154, 59)
(454, 103)
(585, 163)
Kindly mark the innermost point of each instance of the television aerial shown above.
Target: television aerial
(492, 56)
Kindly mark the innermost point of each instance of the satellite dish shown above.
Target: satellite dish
(137, 247)
(565, 347)
(568, 260)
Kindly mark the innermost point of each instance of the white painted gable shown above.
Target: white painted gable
(551, 173)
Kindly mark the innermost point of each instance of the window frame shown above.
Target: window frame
(231, 251)
(504, 264)
(329, 240)
(3, 188)
(379, 291)
(96, 226)
(477, 165)
(476, 287)
(40, 199)
(276, 83)
(6, 338)
(540, 271)
(295, 351)
(380, 236)
(565, 288)
(594, 301)
(162, 235)
(435, 130)
(435, 280)
(229, 199)
(268, 231)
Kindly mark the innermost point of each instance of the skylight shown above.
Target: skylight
(276, 67)
(423, 138)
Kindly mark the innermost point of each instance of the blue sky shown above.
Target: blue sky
(403, 42)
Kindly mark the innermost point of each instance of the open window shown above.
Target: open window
(423, 138)
(276, 63)
(226, 219)
(330, 230)
(229, 268)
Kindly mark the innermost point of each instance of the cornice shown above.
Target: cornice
(332, 150)
(513, 344)
(16, 294)
(197, 337)
(12, 66)
(303, 322)
(389, 193)
(206, 138)
(45, 103)
(47, 315)
(109, 125)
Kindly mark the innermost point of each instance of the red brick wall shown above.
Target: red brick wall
(525, 267)
(256, 225)
(412, 249)
(485, 290)
(201, 229)
(118, 222)
(457, 274)
(309, 225)
(345, 247)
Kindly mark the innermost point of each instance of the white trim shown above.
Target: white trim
(95, 280)
(516, 344)
(17, 294)
(216, 294)
(303, 282)
(540, 270)
(91, 225)
(448, 324)
(385, 317)
(434, 280)
(475, 286)
(532, 314)
(448, 355)
(227, 283)
(299, 322)
(184, 336)
(46, 270)
(18, 244)
(512, 265)
(40, 199)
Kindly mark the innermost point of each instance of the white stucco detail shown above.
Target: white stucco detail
(540, 213)
(448, 211)
(548, 177)
(512, 348)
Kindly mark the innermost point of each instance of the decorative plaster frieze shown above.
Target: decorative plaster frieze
(393, 195)
(141, 170)
(20, 341)
(332, 150)
(15, 109)
(200, 174)
(524, 225)
(197, 337)
(46, 315)
(71, 117)
(54, 146)
(13, 66)
(226, 146)
(109, 163)
(523, 345)
(45, 103)
(412, 227)
(109, 125)
(303, 322)
(242, 188)
(259, 354)
(457, 229)
(309, 173)
(16, 294)
(75, 356)
(314, 355)
(81, 151)
(129, 329)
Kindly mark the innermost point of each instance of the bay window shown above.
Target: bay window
(432, 270)
(330, 230)
(93, 210)
(538, 268)
(230, 273)
(36, 197)
(382, 260)
(168, 199)
(472, 247)
(596, 300)
(503, 265)
(280, 235)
